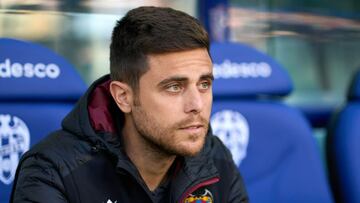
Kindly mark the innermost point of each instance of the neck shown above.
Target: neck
(151, 163)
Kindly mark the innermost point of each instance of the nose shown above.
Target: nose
(193, 101)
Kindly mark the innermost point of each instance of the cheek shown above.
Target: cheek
(163, 107)
(161, 112)
(207, 105)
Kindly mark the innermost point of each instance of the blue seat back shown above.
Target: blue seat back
(271, 143)
(343, 148)
(37, 89)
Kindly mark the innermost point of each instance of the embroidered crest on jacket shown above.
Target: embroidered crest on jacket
(204, 197)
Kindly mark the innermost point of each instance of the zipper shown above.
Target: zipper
(197, 186)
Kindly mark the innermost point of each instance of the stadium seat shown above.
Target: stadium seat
(271, 142)
(37, 89)
(343, 148)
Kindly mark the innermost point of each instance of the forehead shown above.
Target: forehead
(187, 63)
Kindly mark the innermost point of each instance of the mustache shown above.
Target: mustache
(191, 120)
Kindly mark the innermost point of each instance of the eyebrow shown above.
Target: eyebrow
(172, 79)
(208, 76)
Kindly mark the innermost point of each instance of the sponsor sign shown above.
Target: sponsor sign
(240, 70)
(28, 70)
(31, 71)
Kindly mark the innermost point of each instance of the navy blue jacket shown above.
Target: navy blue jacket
(85, 162)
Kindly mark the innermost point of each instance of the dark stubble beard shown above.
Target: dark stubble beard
(159, 138)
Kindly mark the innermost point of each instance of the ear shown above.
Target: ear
(122, 94)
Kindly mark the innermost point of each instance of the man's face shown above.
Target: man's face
(172, 107)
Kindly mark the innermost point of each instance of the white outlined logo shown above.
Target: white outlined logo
(10, 69)
(233, 129)
(228, 69)
(14, 142)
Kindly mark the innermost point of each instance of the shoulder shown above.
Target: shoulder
(57, 150)
(43, 168)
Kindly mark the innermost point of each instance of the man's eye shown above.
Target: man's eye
(204, 85)
(173, 88)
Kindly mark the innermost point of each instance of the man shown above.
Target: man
(141, 134)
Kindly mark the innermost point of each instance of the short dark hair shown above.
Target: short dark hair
(151, 30)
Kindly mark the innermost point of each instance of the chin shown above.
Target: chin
(191, 148)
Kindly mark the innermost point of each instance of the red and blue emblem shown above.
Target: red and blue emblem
(206, 197)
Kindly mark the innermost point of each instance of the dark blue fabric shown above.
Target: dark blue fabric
(343, 147)
(240, 70)
(30, 71)
(318, 114)
(354, 92)
(37, 89)
(282, 162)
(343, 153)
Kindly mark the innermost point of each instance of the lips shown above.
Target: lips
(193, 126)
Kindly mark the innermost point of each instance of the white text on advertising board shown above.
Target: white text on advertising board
(228, 69)
(10, 69)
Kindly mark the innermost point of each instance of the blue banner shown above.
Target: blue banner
(30, 71)
(240, 70)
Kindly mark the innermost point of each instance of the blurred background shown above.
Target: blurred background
(317, 41)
